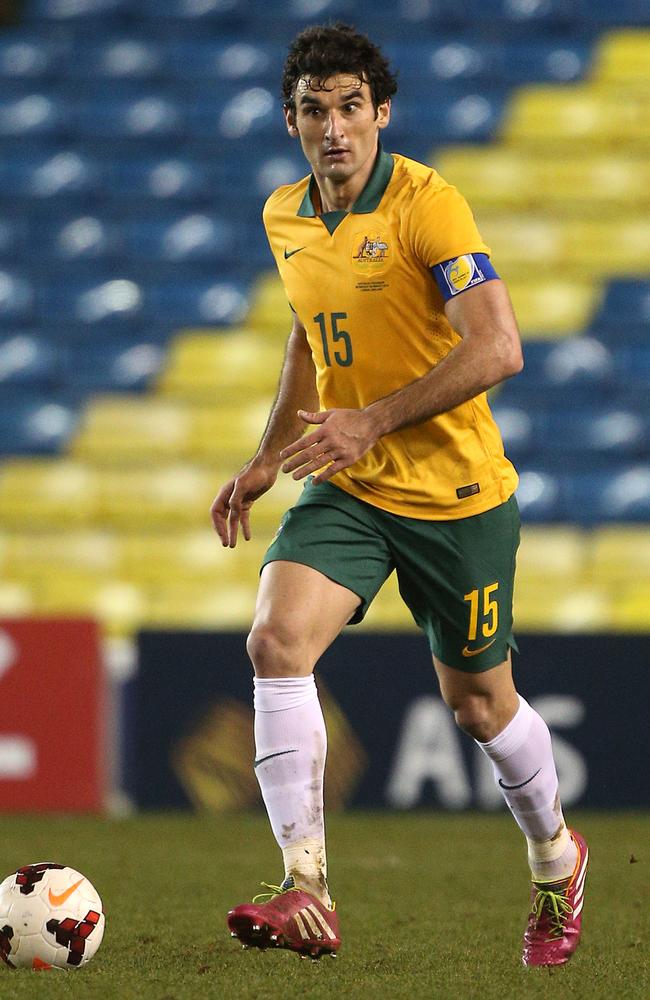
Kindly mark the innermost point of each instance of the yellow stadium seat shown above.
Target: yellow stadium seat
(590, 184)
(490, 178)
(35, 555)
(561, 606)
(547, 113)
(175, 496)
(551, 552)
(15, 599)
(227, 433)
(270, 311)
(132, 428)
(46, 493)
(191, 604)
(221, 366)
(196, 556)
(621, 555)
(623, 57)
(631, 608)
(549, 307)
(118, 604)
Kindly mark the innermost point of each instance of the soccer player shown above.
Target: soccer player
(400, 325)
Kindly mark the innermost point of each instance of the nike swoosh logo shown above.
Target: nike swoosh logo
(58, 899)
(280, 753)
(523, 782)
(475, 652)
(290, 253)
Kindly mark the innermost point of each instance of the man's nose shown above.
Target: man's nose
(334, 125)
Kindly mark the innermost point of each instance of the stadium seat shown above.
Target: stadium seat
(173, 496)
(52, 174)
(26, 56)
(248, 61)
(113, 366)
(147, 115)
(38, 424)
(28, 360)
(222, 367)
(76, 11)
(33, 555)
(619, 555)
(177, 178)
(50, 493)
(197, 236)
(121, 58)
(34, 114)
(132, 429)
(623, 57)
(541, 496)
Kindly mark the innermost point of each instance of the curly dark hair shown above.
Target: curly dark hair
(322, 51)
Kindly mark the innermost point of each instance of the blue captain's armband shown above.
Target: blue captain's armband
(460, 273)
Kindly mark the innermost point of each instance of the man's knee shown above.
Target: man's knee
(275, 653)
(478, 715)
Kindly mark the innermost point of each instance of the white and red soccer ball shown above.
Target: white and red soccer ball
(50, 916)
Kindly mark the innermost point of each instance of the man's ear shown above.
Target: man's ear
(383, 114)
(290, 119)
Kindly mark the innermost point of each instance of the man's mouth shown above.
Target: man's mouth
(336, 152)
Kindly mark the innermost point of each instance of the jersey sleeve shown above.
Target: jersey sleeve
(442, 226)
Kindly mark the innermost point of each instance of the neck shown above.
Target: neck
(340, 196)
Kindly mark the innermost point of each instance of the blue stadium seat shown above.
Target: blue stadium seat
(109, 300)
(221, 13)
(622, 495)
(35, 424)
(245, 61)
(13, 238)
(29, 57)
(113, 366)
(517, 426)
(616, 434)
(277, 170)
(202, 302)
(172, 177)
(196, 236)
(16, 298)
(625, 302)
(541, 496)
(122, 58)
(36, 113)
(26, 359)
(556, 62)
(250, 112)
(149, 115)
(49, 174)
(74, 11)
(86, 237)
(626, 495)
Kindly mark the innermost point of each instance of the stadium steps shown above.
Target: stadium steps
(111, 527)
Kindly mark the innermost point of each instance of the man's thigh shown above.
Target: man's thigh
(337, 535)
(457, 578)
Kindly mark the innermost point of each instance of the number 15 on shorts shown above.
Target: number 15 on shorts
(482, 603)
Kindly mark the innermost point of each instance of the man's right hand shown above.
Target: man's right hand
(232, 504)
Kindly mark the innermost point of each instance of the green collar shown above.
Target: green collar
(367, 201)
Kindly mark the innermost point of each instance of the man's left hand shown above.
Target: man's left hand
(341, 438)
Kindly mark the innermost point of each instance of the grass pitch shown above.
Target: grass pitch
(431, 906)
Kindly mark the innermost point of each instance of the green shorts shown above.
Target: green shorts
(456, 577)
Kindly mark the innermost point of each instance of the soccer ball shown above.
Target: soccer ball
(50, 916)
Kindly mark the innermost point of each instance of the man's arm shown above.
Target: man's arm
(297, 388)
(489, 351)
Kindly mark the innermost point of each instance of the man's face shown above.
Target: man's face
(337, 124)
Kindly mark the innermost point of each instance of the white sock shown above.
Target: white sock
(290, 751)
(524, 769)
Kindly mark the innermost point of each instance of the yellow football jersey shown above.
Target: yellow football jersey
(361, 284)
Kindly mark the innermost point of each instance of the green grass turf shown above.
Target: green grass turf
(431, 906)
